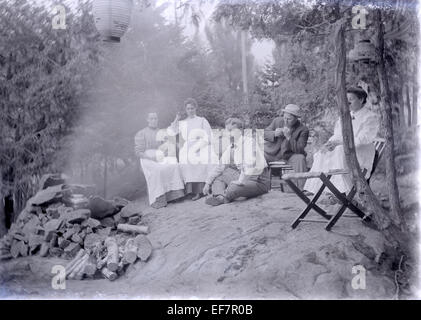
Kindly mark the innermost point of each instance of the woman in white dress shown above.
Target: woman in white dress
(162, 174)
(196, 156)
(365, 124)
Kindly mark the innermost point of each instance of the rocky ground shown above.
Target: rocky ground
(241, 250)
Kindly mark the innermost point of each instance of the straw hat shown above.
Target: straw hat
(293, 109)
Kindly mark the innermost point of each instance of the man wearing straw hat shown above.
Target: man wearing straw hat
(286, 138)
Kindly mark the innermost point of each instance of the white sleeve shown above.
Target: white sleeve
(337, 132)
(369, 131)
(173, 129)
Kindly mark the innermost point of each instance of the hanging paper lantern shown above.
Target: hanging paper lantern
(364, 51)
(112, 18)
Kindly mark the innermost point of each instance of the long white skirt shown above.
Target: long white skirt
(161, 177)
(195, 166)
(334, 160)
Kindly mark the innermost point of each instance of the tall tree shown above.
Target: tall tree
(42, 73)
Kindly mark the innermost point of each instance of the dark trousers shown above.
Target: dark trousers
(254, 186)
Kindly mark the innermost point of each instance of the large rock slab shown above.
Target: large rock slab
(46, 196)
(243, 250)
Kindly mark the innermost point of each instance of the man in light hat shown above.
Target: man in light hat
(286, 138)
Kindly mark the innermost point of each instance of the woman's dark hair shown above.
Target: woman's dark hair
(359, 92)
(190, 101)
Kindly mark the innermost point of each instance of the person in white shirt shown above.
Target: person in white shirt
(196, 156)
(365, 124)
(243, 170)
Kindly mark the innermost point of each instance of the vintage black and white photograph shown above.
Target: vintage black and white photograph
(209, 149)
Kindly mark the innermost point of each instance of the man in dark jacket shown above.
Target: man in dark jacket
(285, 140)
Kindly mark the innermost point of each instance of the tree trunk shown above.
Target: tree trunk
(408, 105)
(415, 103)
(401, 100)
(379, 216)
(244, 65)
(105, 176)
(3, 229)
(386, 111)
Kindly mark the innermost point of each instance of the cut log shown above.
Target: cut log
(90, 266)
(110, 275)
(112, 254)
(45, 246)
(144, 247)
(70, 266)
(133, 229)
(101, 263)
(130, 251)
(77, 272)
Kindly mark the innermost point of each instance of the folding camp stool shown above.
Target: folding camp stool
(284, 167)
(345, 199)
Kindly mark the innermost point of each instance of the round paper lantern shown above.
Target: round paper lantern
(112, 18)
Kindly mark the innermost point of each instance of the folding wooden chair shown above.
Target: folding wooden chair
(345, 199)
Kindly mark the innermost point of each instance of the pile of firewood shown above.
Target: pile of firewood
(101, 237)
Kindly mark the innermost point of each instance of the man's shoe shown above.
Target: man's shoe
(197, 197)
(214, 201)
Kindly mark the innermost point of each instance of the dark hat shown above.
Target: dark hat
(358, 91)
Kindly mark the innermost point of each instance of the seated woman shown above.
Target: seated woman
(365, 124)
(196, 156)
(162, 174)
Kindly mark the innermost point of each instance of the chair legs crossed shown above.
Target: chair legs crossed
(345, 199)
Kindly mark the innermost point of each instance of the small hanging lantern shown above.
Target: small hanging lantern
(364, 51)
(363, 58)
(112, 18)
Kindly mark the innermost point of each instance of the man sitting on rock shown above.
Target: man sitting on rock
(285, 140)
(240, 174)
